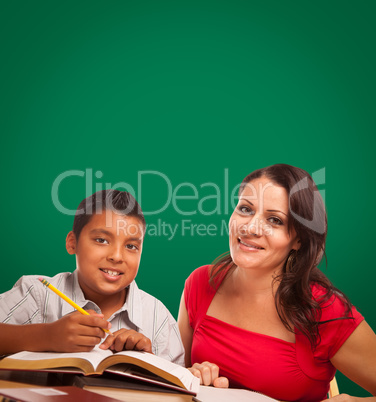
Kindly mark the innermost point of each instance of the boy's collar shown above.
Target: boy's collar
(132, 305)
(78, 297)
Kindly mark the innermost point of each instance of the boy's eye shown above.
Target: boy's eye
(101, 240)
(275, 221)
(131, 247)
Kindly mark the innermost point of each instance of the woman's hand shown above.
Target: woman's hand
(208, 373)
(127, 339)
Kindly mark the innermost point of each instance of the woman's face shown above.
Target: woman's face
(259, 237)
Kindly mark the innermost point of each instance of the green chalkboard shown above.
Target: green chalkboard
(174, 99)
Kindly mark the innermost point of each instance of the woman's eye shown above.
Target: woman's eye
(275, 221)
(101, 240)
(243, 209)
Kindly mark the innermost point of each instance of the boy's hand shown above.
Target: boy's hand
(127, 339)
(76, 332)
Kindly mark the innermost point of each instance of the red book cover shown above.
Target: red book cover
(51, 394)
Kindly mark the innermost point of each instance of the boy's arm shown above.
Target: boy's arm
(186, 331)
(72, 333)
(16, 338)
(27, 324)
(167, 341)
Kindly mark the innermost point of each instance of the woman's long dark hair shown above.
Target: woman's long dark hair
(293, 299)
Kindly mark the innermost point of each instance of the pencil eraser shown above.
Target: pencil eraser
(41, 279)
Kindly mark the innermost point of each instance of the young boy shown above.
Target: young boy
(107, 237)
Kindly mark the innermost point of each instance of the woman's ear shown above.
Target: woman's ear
(296, 245)
(71, 243)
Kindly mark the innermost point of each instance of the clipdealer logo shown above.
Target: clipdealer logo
(186, 199)
(174, 196)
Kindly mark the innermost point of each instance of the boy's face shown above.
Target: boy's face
(108, 253)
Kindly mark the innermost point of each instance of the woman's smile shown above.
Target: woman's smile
(259, 235)
(248, 245)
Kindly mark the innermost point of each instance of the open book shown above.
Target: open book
(140, 365)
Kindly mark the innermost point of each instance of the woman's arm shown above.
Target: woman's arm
(208, 373)
(356, 359)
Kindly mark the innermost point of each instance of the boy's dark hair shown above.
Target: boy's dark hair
(121, 202)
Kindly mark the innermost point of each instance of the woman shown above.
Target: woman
(265, 317)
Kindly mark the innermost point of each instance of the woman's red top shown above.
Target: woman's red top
(277, 368)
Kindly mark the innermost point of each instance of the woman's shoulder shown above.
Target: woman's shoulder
(202, 272)
(199, 277)
(197, 293)
(338, 320)
(333, 304)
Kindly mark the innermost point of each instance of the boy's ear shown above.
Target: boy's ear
(71, 243)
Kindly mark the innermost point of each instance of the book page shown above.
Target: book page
(102, 359)
(94, 357)
(146, 377)
(211, 394)
(128, 395)
(190, 382)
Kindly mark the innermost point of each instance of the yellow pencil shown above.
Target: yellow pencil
(68, 300)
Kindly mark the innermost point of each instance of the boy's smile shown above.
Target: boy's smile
(111, 273)
(108, 253)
